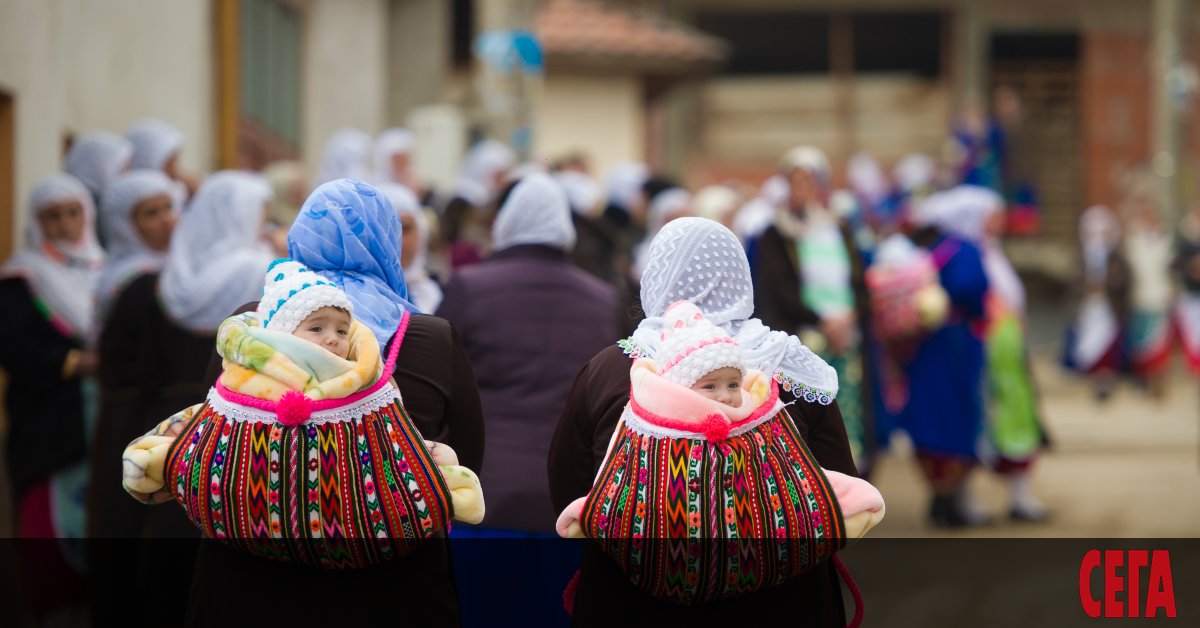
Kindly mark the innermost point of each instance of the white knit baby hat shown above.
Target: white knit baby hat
(292, 292)
(693, 347)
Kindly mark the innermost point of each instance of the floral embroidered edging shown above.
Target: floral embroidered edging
(798, 389)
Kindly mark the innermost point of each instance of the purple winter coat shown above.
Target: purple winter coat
(530, 320)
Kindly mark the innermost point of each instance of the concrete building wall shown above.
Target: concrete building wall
(418, 56)
(600, 116)
(345, 70)
(75, 65)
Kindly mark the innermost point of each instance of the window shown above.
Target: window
(463, 32)
(1035, 46)
(909, 42)
(772, 42)
(270, 67)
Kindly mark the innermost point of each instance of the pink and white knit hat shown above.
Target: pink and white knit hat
(693, 347)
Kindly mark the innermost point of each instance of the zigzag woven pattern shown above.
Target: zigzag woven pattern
(690, 520)
(338, 494)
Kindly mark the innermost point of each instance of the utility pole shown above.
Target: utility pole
(508, 78)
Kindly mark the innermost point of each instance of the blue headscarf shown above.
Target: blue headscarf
(348, 233)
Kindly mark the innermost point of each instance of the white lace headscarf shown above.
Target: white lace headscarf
(128, 255)
(61, 274)
(535, 213)
(698, 260)
(217, 261)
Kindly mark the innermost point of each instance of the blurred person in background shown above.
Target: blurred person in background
(393, 155)
(1150, 248)
(347, 155)
(981, 147)
(596, 242)
(154, 350)
(915, 177)
(1017, 169)
(156, 146)
(527, 299)
(718, 203)
(1015, 430)
(423, 290)
(47, 288)
(1095, 343)
(290, 186)
(666, 202)
(1187, 267)
(95, 158)
(529, 318)
(809, 282)
(625, 207)
(480, 178)
(944, 412)
(140, 209)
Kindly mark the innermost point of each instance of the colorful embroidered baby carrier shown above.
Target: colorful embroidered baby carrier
(350, 485)
(692, 517)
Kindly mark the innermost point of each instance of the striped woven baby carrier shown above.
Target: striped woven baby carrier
(694, 516)
(340, 483)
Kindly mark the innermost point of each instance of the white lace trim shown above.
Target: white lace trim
(640, 426)
(381, 398)
(799, 389)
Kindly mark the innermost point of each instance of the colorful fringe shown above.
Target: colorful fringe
(690, 520)
(335, 494)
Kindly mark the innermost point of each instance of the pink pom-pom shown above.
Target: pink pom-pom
(715, 428)
(293, 408)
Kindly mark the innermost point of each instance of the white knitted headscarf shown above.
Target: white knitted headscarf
(535, 213)
(292, 292)
(698, 260)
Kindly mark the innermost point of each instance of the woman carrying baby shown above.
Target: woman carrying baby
(700, 261)
(349, 235)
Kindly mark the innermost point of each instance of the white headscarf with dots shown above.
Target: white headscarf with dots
(698, 260)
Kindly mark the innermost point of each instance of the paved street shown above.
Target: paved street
(1128, 468)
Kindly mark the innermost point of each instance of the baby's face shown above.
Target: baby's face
(329, 328)
(723, 385)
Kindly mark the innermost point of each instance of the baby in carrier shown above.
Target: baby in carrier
(303, 451)
(708, 490)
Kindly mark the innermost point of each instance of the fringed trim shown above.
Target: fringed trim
(382, 398)
(798, 389)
